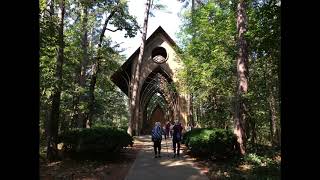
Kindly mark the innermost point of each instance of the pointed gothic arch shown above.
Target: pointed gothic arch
(160, 64)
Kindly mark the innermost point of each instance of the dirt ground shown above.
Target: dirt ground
(91, 170)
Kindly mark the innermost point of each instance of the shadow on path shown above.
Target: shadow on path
(164, 168)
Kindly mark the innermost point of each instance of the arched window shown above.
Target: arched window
(159, 55)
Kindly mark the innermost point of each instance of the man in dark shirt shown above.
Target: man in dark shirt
(176, 139)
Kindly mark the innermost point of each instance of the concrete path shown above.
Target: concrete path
(147, 167)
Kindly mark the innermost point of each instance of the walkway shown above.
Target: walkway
(164, 168)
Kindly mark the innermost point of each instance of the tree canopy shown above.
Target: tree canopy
(78, 55)
(209, 49)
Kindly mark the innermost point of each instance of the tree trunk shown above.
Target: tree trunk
(48, 110)
(134, 104)
(51, 8)
(75, 103)
(190, 110)
(198, 114)
(192, 14)
(201, 113)
(242, 77)
(272, 109)
(93, 82)
(271, 101)
(79, 115)
(278, 136)
(253, 132)
(47, 127)
(190, 99)
(95, 71)
(55, 108)
(272, 120)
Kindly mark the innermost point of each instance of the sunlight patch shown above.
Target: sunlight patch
(54, 163)
(244, 167)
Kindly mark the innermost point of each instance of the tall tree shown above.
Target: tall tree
(190, 96)
(95, 70)
(134, 84)
(81, 74)
(264, 36)
(194, 4)
(209, 57)
(55, 107)
(80, 37)
(120, 18)
(48, 39)
(136, 68)
(242, 77)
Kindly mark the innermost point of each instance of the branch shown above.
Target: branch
(45, 10)
(113, 30)
(105, 26)
(117, 45)
(199, 2)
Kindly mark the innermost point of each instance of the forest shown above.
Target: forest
(231, 55)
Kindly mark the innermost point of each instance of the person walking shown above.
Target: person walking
(176, 139)
(156, 135)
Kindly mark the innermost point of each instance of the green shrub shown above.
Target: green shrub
(192, 133)
(199, 145)
(95, 141)
(210, 141)
(124, 128)
(222, 142)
